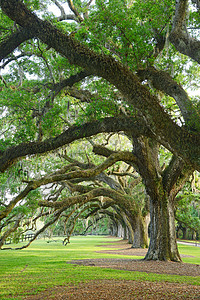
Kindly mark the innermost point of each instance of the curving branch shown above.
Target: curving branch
(175, 175)
(56, 216)
(74, 133)
(75, 218)
(9, 44)
(74, 10)
(103, 151)
(82, 95)
(5, 212)
(9, 231)
(102, 177)
(69, 82)
(179, 35)
(162, 81)
(22, 54)
(177, 139)
(93, 195)
(63, 15)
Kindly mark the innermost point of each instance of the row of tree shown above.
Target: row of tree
(117, 68)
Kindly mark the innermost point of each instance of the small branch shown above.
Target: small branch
(63, 15)
(74, 10)
(3, 80)
(123, 174)
(46, 62)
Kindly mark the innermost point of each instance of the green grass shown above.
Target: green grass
(43, 265)
(191, 251)
(190, 241)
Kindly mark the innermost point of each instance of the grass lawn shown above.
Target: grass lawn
(43, 265)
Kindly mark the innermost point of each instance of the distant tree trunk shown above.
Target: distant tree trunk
(125, 237)
(114, 229)
(129, 229)
(120, 231)
(163, 245)
(130, 237)
(194, 235)
(141, 232)
(184, 230)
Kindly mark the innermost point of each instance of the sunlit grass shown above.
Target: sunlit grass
(192, 251)
(43, 265)
(190, 241)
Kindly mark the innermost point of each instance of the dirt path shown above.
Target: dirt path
(121, 289)
(159, 267)
(117, 290)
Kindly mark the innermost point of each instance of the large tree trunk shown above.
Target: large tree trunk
(163, 245)
(141, 232)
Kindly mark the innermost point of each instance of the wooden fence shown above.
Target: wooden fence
(24, 237)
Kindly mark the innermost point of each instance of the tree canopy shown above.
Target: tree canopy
(126, 67)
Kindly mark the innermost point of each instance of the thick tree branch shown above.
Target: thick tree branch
(70, 135)
(118, 198)
(69, 82)
(102, 177)
(130, 159)
(179, 35)
(82, 95)
(124, 174)
(9, 44)
(175, 174)
(162, 81)
(176, 139)
(4, 213)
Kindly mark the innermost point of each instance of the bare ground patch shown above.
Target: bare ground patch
(159, 267)
(121, 247)
(120, 289)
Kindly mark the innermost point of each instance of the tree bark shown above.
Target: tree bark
(141, 232)
(184, 230)
(163, 245)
